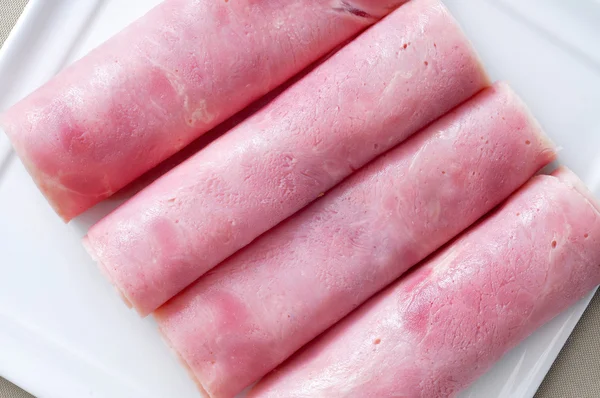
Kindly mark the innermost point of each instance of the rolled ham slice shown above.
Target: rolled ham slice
(165, 80)
(253, 311)
(401, 74)
(436, 330)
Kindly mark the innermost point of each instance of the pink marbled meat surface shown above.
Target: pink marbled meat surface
(165, 80)
(407, 70)
(253, 311)
(436, 330)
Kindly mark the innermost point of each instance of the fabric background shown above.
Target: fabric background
(10, 10)
(575, 374)
(8, 390)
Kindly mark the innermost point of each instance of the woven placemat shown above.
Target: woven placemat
(9, 390)
(10, 10)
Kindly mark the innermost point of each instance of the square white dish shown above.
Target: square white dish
(64, 332)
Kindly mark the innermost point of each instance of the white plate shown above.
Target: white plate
(64, 333)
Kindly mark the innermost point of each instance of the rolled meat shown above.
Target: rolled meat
(258, 307)
(436, 330)
(404, 72)
(165, 80)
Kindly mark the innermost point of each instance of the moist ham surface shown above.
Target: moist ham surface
(407, 70)
(436, 330)
(258, 307)
(165, 80)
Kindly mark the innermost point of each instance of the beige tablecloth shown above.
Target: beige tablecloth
(575, 374)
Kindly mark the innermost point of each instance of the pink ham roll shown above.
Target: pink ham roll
(407, 70)
(253, 311)
(435, 331)
(171, 76)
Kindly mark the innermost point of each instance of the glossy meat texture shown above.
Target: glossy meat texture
(407, 70)
(168, 78)
(258, 307)
(436, 330)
